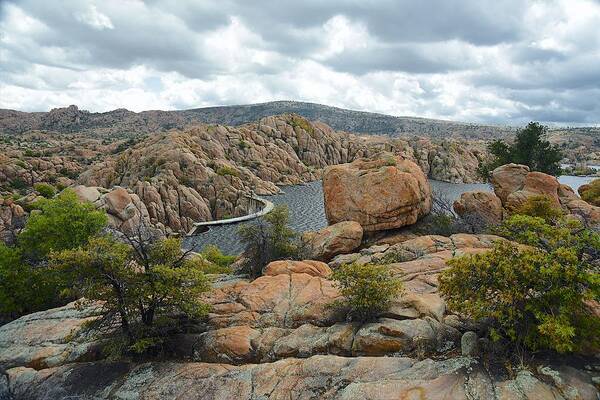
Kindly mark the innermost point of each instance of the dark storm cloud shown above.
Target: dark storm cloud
(402, 57)
(476, 22)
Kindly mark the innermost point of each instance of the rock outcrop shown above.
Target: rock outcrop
(332, 240)
(12, 220)
(513, 184)
(205, 172)
(126, 212)
(318, 377)
(47, 338)
(382, 193)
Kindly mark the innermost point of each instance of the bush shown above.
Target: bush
(144, 286)
(566, 233)
(227, 171)
(220, 262)
(534, 298)
(268, 239)
(444, 221)
(540, 206)
(592, 192)
(367, 289)
(18, 184)
(61, 223)
(45, 190)
(298, 121)
(535, 295)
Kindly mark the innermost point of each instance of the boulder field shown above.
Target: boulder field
(276, 337)
(205, 172)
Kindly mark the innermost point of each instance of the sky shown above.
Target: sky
(501, 62)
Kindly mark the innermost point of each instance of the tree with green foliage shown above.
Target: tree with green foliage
(530, 148)
(269, 239)
(63, 222)
(23, 288)
(367, 289)
(535, 296)
(145, 286)
(26, 284)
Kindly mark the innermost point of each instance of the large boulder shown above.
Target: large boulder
(484, 207)
(535, 184)
(381, 193)
(310, 267)
(507, 179)
(335, 239)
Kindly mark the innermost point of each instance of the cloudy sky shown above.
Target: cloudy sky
(508, 61)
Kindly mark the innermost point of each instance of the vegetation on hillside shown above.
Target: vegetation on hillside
(146, 286)
(530, 148)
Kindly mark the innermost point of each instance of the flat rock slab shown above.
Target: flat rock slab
(47, 338)
(318, 377)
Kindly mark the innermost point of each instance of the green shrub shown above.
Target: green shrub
(535, 231)
(534, 295)
(243, 144)
(18, 184)
(269, 239)
(147, 285)
(45, 190)
(298, 121)
(591, 194)
(540, 206)
(367, 289)
(534, 298)
(220, 262)
(62, 223)
(31, 153)
(227, 171)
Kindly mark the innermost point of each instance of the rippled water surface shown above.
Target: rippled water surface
(305, 203)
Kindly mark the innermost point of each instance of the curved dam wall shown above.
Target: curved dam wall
(256, 206)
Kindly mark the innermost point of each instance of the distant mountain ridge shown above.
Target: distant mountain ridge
(72, 119)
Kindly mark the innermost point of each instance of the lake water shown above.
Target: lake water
(307, 213)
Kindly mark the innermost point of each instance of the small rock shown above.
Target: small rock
(468, 344)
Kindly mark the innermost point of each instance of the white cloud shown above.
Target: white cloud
(94, 18)
(511, 62)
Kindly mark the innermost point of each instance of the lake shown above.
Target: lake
(307, 213)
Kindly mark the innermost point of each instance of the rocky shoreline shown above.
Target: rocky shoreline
(277, 336)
